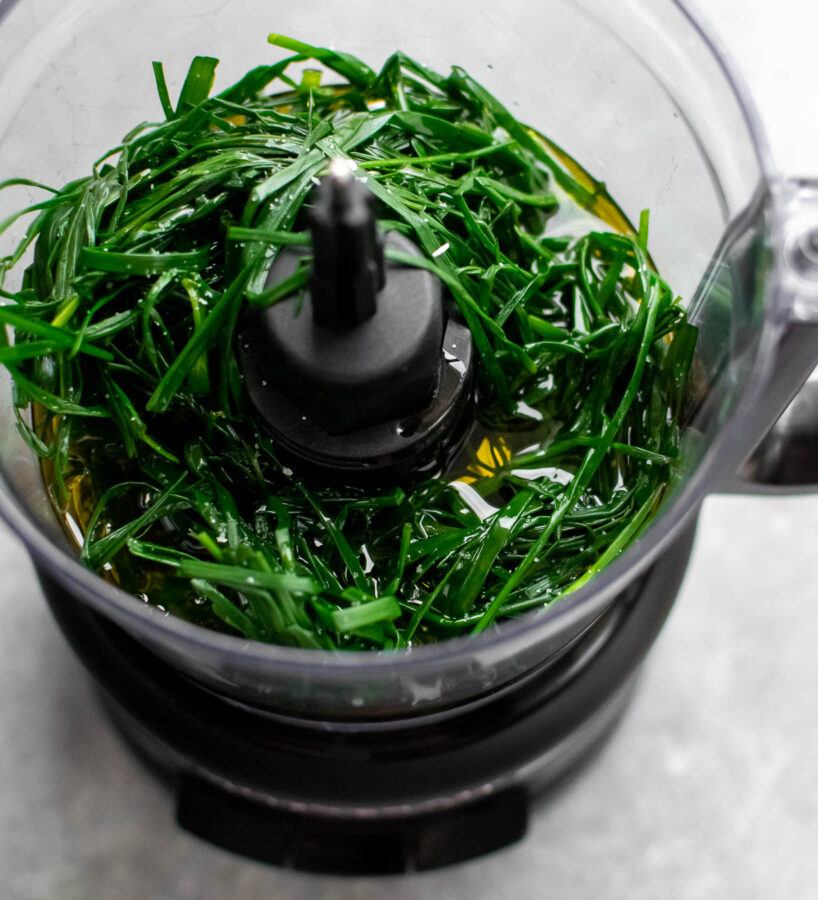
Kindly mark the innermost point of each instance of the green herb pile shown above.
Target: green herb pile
(123, 329)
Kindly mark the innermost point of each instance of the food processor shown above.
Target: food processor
(420, 758)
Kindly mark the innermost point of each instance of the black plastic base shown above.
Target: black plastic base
(379, 797)
(342, 846)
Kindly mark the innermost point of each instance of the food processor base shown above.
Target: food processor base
(391, 845)
(373, 797)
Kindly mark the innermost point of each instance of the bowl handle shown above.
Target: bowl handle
(781, 429)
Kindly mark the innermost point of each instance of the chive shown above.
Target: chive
(437, 158)
(157, 553)
(127, 287)
(162, 89)
(589, 465)
(50, 401)
(129, 420)
(421, 611)
(642, 236)
(204, 335)
(346, 553)
(103, 260)
(473, 566)
(282, 289)
(346, 65)
(244, 578)
(31, 439)
(268, 236)
(283, 536)
(98, 552)
(67, 309)
(355, 617)
(58, 338)
(227, 611)
(622, 540)
(197, 85)
(403, 551)
(26, 182)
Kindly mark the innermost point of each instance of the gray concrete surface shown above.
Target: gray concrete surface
(708, 790)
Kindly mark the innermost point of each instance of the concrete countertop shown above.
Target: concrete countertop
(709, 789)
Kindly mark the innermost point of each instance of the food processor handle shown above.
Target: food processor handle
(779, 435)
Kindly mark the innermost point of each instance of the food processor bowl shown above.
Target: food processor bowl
(641, 96)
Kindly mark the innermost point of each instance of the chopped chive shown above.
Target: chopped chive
(128, 286)
(131, 263)
(282, 289)
(197, 85)
(644, 224)
(384, 610)
(244, 578)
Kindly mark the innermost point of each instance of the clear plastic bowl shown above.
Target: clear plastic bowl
(636, 91)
